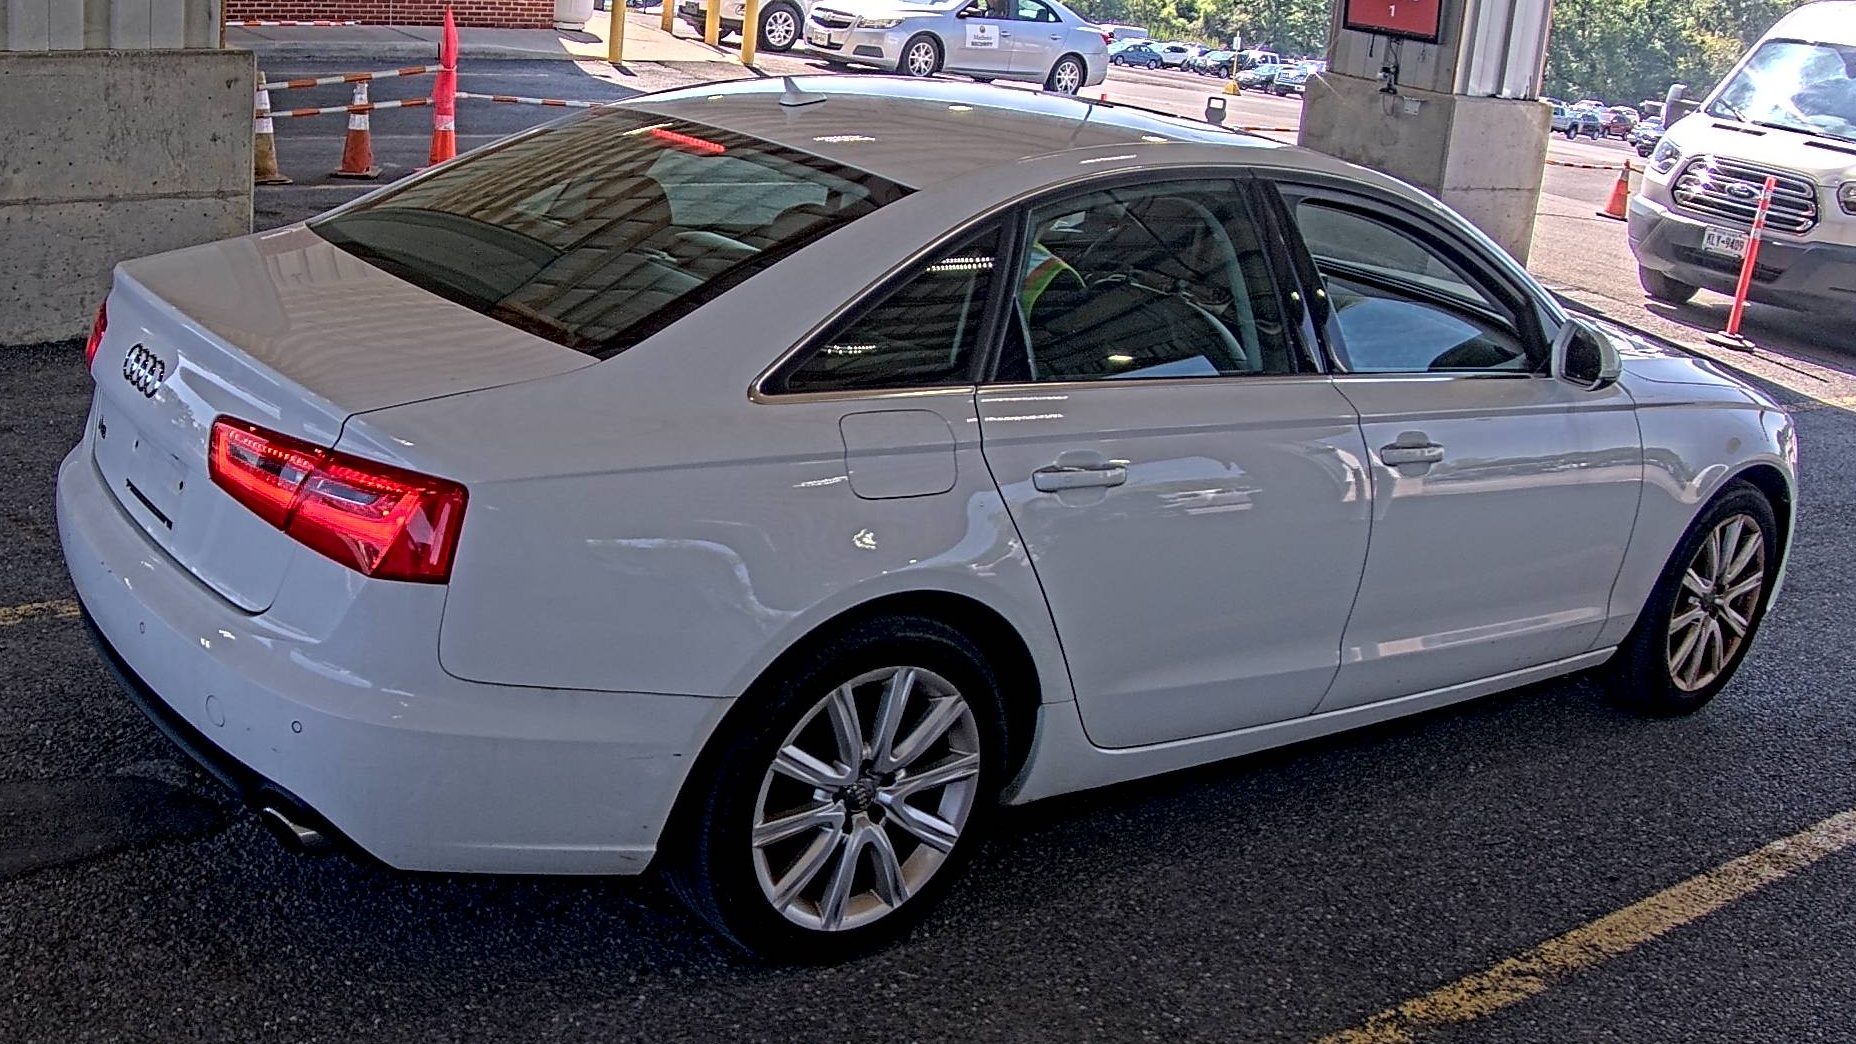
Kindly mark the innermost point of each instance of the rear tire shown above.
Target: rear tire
(1663, 288)
(921, 56)
(1705, 610)
(1067, 76)
(814, 745)
(780, 25)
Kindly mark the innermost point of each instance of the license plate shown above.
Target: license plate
(814, 36)
(1724, 241)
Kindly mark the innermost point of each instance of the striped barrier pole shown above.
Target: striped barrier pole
(518, 100)
(325, 81)
(1749, 259)
(334, 110)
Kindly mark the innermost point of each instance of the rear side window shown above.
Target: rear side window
(920, 332)
(599, 231)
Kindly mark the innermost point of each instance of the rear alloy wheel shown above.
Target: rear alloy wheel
(921, 56)
(1663, 288)
(1066, 77)
(1700, 620)
(779, 28)
(842, 808)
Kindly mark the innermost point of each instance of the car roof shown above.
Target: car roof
(917, 132)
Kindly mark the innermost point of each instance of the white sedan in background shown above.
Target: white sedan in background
(766, 481)
(1041, 41)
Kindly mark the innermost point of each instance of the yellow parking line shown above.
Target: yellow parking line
(63, 608)
(1518, 978)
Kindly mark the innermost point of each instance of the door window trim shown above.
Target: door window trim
(1524, 311)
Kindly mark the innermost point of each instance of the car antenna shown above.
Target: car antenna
(793, 96)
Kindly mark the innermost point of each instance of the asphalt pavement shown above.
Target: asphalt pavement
(1275, 898)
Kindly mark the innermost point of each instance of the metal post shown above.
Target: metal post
(712, 23)
(750, 30)
(668, 24)
(615, 33)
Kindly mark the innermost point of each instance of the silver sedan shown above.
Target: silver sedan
(1041, 41)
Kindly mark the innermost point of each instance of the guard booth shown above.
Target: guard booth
(1443, 94)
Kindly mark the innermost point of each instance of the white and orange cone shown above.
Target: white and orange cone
(263, 141)
(358, 149)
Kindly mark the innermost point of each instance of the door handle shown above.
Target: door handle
(1403, 453)
(1055, 36)
(1059, 477)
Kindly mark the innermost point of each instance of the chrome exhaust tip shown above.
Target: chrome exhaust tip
(293, 834)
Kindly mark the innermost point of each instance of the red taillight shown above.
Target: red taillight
(383, 521)
(1108, 38)
(97, 326)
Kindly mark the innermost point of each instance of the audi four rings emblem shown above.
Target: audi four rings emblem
(144, 369)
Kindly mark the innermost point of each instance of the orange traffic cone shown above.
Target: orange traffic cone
(263, 142)
(1620, 195)
(444, 96)
(358, 150)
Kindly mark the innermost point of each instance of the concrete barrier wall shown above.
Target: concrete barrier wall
(56, 25)
(109, 155)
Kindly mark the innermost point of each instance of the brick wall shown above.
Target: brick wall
(502, 14)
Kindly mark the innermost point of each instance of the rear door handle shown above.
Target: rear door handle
(1394, 455)
(1059, 477)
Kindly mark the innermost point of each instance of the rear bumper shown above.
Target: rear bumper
(1790, 274)
(362, 728)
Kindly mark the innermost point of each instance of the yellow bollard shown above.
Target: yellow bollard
(615, 34)
(712, 23)
(750, 31)
(668, 25)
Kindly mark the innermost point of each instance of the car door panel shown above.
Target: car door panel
(979, 43)
(1498, 537)
(1204, 588)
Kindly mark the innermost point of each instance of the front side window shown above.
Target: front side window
(1033, 11)
(599, 231)
(1397, 304)
(921, 332)
(1145, 282)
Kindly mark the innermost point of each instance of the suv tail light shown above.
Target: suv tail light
(382, 521)
(97, 326)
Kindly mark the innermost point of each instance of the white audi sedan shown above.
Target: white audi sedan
(1040, 41)
(765, 482)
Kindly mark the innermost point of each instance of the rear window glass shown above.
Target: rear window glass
(598, 231)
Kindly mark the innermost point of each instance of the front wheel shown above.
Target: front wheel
(1066, 77)
(1663, 288)
(1702, 616)
(921, 56)
(779, 28)
(838, 811)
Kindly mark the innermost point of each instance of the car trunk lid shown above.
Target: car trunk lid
(285, 331)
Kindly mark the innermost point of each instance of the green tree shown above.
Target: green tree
(1626, 50)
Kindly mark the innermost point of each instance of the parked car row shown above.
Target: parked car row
(1040, 41)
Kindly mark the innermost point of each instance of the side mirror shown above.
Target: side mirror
(1586, 355)
(966, 12)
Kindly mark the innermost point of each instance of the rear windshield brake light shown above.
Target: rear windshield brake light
(379, 520)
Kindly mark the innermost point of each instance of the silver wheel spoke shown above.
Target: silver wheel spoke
(1743, 588)
(837, 899)
(1713, 550)
(965, 766)
(1717, 648)
(823, 816)
(1734, 621)
(805, 870)
(926, 827)
(845, 728)
(1679, 658)
(890, 887)
(889, 719)
(1685, 621)
(942, 714)
(797, 764)
(1728, 546)
(1693, 582)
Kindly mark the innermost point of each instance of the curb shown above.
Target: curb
(343, 51)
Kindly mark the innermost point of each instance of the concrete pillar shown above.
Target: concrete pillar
(124, 131)
(1457, 115)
